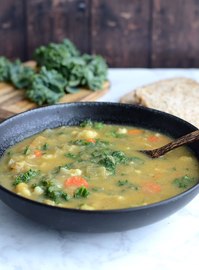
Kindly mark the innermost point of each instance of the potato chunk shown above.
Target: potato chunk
(86, 207)
(23, 190)
(49, 202)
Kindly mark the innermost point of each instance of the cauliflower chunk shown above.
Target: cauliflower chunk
(87, 134)
(122, 131)
(38, 190)
(48, 156)
(75, 172)
(71, 172)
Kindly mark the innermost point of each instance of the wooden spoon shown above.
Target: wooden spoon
(188, 138)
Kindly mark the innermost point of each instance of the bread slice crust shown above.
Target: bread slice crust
(177, 96)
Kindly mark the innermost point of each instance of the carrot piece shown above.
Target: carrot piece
(151, 187)
(91, 140)
(77, 181)
(37, 153)
(135, 131)
(153, 138)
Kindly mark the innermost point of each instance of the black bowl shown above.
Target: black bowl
(26, 124)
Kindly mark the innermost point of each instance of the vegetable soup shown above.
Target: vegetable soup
(96, 166)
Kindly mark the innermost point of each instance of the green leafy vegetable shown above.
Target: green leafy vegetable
(25, 177)
(95, 72)
(120, 157)
(109, 159)
(19, 75)
(26, 150)
(61, 69)
(4, 69)
(81, 192)
(86, 123)
(66, 166)
(72, 155)
(47, 87)
(44, 147)
(52, 192)
(81, 142)
(86, 70)
(108, 162)
(126, 183)
(98, 125)
(122, 183)
(98, 143)
(89, 123)
(52, 55)
(16, 73)
(184, 182)
(115, 134)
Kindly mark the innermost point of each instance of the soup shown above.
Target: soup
(96, 166)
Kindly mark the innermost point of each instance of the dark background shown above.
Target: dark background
(128, 33)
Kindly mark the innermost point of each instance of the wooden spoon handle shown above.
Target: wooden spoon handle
(191, 137)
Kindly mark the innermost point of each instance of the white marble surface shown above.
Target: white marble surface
(172, 243)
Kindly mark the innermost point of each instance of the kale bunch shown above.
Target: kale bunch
(47, 87)
(61, 70)
(88, 71)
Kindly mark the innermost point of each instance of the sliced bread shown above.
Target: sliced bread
(178, 96)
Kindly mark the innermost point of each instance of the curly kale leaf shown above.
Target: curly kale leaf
(87, 71)
(25, 177)
(47, 87)
(95, 72)
(184, 181)
(81, 192)
(73, 70)
(53, 192)
(92, 124)
(109, 159)
(19, 75)
(52, 55)
(4, 68)
(16, 73)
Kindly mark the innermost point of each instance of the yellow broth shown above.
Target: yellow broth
(96, 166)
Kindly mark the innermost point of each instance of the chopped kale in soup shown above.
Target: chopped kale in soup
(96, 166)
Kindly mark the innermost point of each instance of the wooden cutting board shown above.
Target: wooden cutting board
(13, 101)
